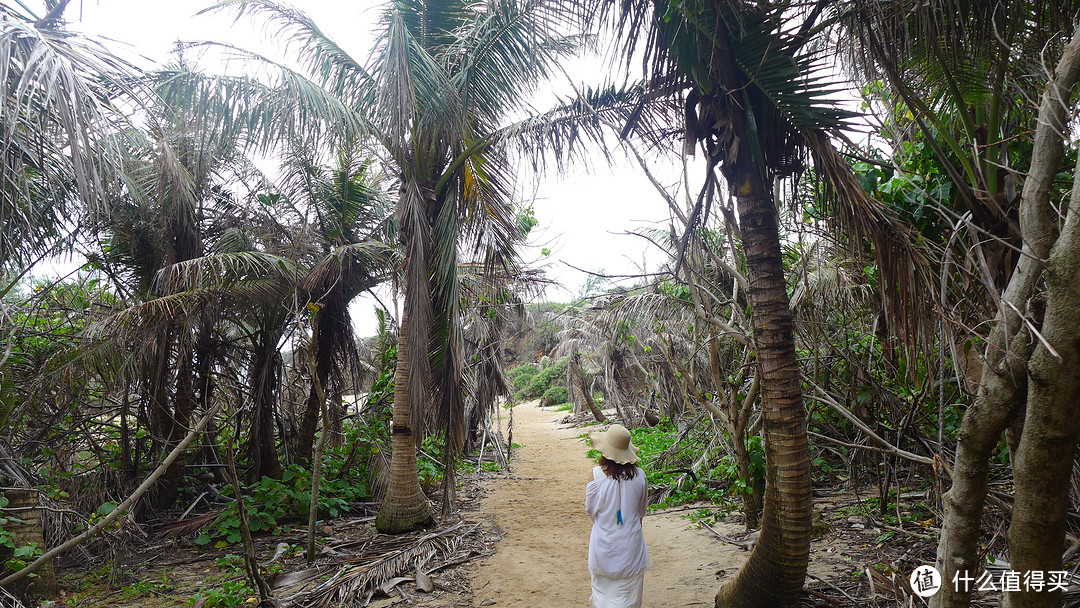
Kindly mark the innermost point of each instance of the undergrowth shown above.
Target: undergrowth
(665, 457)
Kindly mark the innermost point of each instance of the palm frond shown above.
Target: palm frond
(505, 50)
(56, 114)
(355, 268)
(906, 285)
(411, 92)
(331, 66)
(638, 109)
(361, 575)
(222, 271)
(768, 56)
(927, 39)
(288, 105)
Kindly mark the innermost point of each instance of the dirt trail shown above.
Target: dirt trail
(542, 561)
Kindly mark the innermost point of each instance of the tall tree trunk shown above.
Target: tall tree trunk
(316, 476)
(1042, 471)
(1003, 387)
(774, 573)
(999, 396)
(168, 487)
(126, 462)
(404, 507)
(262, 448)
(160, 410)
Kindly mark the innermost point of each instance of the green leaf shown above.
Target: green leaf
(106, 508)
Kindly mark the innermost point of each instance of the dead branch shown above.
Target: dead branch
(120, 509)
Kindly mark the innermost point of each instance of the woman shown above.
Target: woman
(615, 499)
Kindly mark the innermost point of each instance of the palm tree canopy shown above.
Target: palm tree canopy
(56, 118)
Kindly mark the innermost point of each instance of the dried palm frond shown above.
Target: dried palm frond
(906, 285)
(366, 572)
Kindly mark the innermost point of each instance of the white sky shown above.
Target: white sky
(582, 214)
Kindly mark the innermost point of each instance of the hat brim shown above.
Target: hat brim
(627, 456)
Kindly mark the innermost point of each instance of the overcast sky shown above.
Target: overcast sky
(583, 214)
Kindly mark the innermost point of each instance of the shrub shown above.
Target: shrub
(522, 381)
(554, 396)
(270, 501)
(552, 375)
(523, 370)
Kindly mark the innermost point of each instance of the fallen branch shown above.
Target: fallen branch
(832, 585)
(120, 509)
(859, 446)
(888, 448)
(742, 544)
(693, 476)
(821, 596)
(910, 533)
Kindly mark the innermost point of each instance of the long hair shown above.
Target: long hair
(617, 471)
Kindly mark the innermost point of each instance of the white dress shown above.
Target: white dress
(617, 554)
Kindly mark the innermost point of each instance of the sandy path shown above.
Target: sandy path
(542, 561)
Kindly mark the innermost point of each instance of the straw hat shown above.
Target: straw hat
(616, 445)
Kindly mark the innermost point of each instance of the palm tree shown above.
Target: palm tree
(168, 203)
(757, 110)
(351, 225)
(445, 74)
(56, 120)
(442, 79)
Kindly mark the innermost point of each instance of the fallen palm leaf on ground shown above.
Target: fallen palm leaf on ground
(381, 564)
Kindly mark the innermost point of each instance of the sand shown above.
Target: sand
(540, 506)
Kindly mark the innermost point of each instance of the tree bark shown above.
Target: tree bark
(1003, 387)
(1043, 468)
(320, 375)
(168, 487)
(404, 507)
(316, 475)
(774, 573)
(262, 448)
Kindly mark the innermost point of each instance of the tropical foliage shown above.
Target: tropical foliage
(898, 313)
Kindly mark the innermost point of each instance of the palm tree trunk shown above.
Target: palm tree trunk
(774, 573)
(168, 487)
(578, 376)
(404, 507)
(262, 449)
(160, 412)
